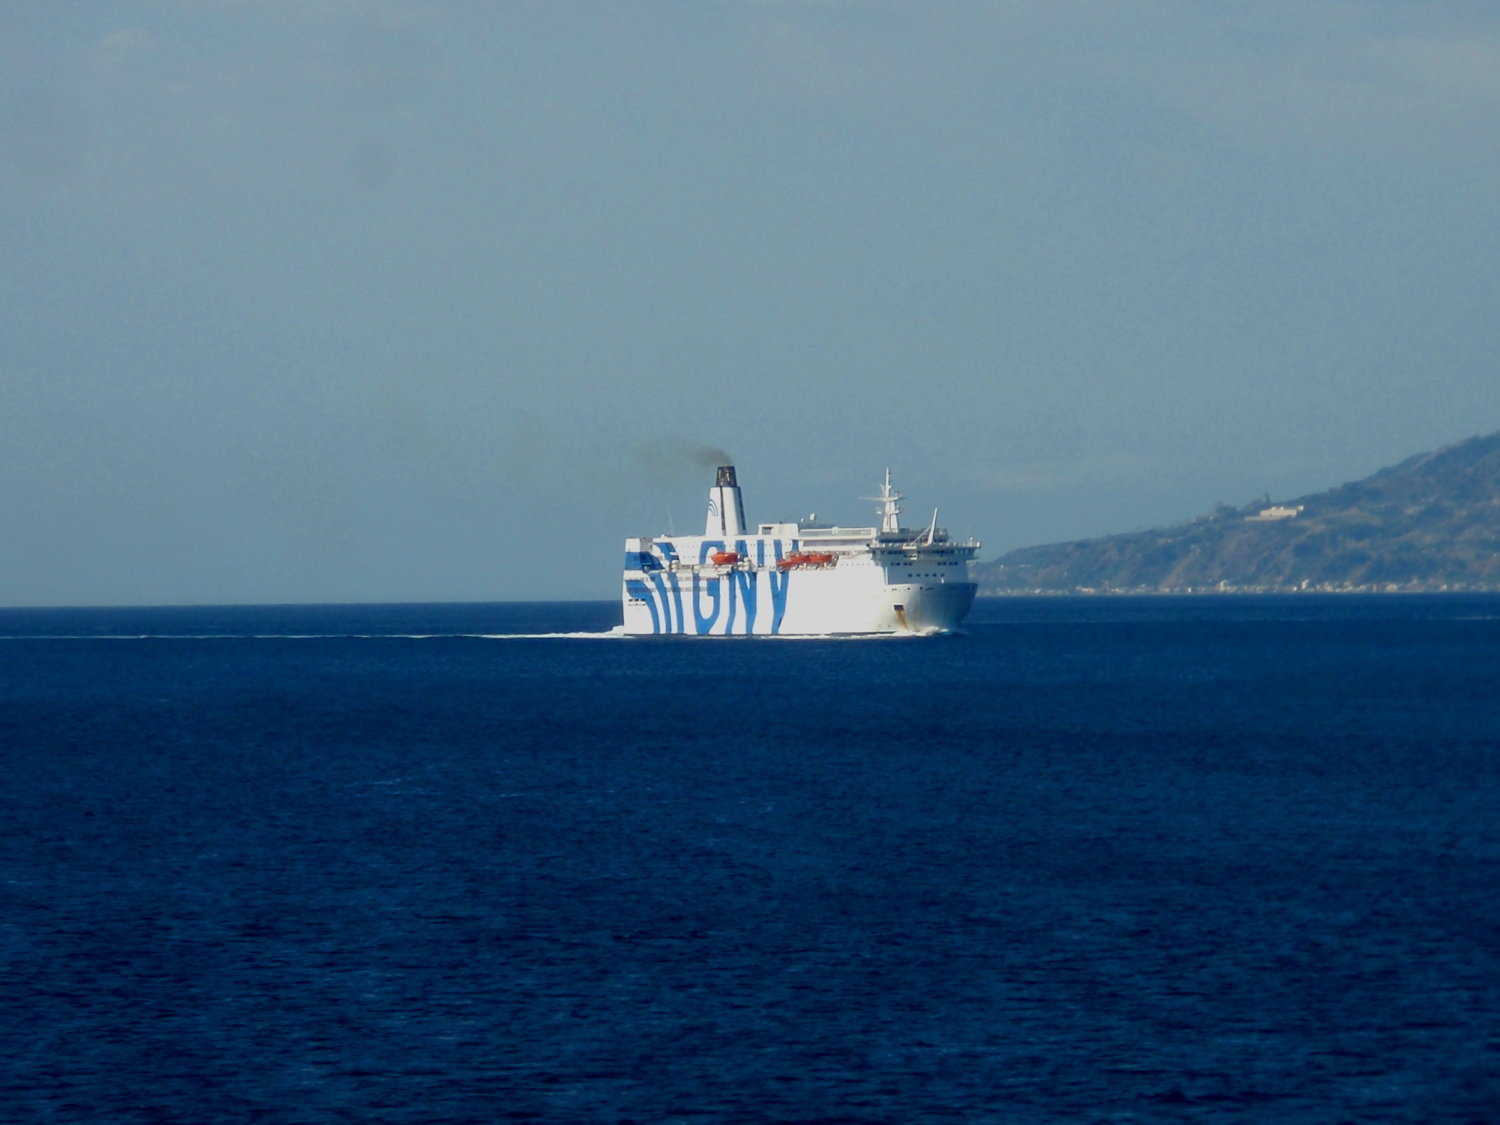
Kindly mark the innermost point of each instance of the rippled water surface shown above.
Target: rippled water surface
(1097, 860)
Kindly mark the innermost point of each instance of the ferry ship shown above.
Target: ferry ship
(802, 578)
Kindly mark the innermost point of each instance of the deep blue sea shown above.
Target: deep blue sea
(1230, 859)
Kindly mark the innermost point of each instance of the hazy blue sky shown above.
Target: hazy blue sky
(326, 301)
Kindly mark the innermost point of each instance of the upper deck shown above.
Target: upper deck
(726, 532)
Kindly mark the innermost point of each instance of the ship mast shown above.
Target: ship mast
(890, 505)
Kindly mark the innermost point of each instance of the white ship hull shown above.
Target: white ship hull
(796, 579)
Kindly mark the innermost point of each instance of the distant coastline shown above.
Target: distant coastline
(1428, 525)
(1231, 591)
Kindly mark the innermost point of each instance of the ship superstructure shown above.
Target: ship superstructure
(798, 578)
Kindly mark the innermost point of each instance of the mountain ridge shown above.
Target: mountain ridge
(1428, 523)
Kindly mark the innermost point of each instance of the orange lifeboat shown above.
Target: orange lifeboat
(805, 558)
(725, 558)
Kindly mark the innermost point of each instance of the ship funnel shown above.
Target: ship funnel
(726, 508)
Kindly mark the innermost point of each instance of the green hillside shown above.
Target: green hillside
(1430, 523)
